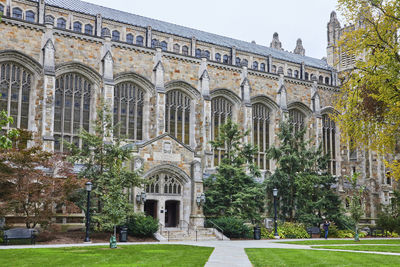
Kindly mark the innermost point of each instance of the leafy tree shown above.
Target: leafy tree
(233, 190)
(102, 157)
(27, 187)
(6, 139)
(302, 178)
(369, 102)
(356, 198)
(389, 218)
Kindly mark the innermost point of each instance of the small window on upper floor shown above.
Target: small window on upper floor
(61, 23)
(207, 53)
(226, 59)
(1, 9)
(311, 77)
(105, 31)
(245, 63)
(321, 79)
(17, 13)
(164, 46)
(177, 48)
(218, 57)
(388, 178)
(89, 29)
(306, 76)
(139, 40)
(129, 38)
(262, 67)
(296, 74)
(198, 53)
(30, 16)
(77, 26)
(153, 43)
(185, 50)
(115, 35)
(326, 80)
(289, 72)
(273, 69)
(255, 65)
(237, 61)
(280, 70)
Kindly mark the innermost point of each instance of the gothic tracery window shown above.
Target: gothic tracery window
(15, 86)
(128, 110)
(72, 108)
(177, 119)
(261, 116)
(164, 183)
(329, 142)
(296, 118)
(221, 110)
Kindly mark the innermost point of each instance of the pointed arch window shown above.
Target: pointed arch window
(226, 59)
(77, 26)
(139, 40)
(72, 109)
(153, 43)
(61, 23)
(115, 35)
(296, 74)
(30, 16)
(164, 183)
(261, 115)
(207, 54)
(89, 29)
(296, 117)
(129, 38)
(128, 110)
(198, 53)
(177, 48)
(245, 63)
(15, 87)
(17, 13)
(218, 57)
(262, 67)
(255, 65)
(185, 50)
(177, 119)
(289, 72)
(221, 110)
(164, 46)
(329, 141)
(237, 61)
(306, 76)
(326, 80)
(273, 69)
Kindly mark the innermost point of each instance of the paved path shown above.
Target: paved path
(226, 253)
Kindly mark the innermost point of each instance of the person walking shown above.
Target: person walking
(326, 228)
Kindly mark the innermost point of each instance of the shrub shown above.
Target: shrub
(232, 227)
(45, 236)
(140, 225)
(286, 230)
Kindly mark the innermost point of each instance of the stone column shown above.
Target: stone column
(197, 216)
(269, 63)
(148, 36)
(48, 86)
(41, 11)
(193, 47)
(99, 25)
(302, 71)
(233, 55)
(158, 80)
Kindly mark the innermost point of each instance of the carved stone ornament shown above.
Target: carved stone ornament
(167, 147)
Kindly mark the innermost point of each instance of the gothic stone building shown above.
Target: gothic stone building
(169, 87)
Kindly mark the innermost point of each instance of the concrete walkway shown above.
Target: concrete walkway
(226, 253)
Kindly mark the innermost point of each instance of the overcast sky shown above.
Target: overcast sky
(246, 20)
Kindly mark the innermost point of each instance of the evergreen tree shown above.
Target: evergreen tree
(102, 157)
(302, 179)
(233, 190)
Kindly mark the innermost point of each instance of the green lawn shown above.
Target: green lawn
(302, 257)
(343, 241)
(389, 248)
(128, 255)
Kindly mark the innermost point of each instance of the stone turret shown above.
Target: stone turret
(275, 42)
(299, 48)
(333, 30)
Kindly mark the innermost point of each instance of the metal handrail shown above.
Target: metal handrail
(219, 228)
(188, 225)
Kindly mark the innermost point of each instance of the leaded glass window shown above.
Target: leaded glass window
(218, 57)
(296, 74)
(237, 61)
(329, 142)
(296, 117)
(177, 119)
(185, 50)
(226, 59)
(164, 183)
(198, 53)
(129, 38)
(289, 72)
(262, 67)
(261, 134)
(89, 29)
(207, 54)
(17, 13)
(61, 23)
(153, 43)
(221, 110)
(245, 63)
(164, 46)
(77, 26)
(255, 65)
(176, 48)
(30, 16)
(72, 109)
(128, 110)
(15, 86)
(139, 40)
(115, 35)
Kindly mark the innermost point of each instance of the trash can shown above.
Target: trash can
(257, 233)
(123, 234)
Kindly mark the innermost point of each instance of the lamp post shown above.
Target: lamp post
(88, 189)
(275, 193)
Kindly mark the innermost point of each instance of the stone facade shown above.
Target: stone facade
(60, 43)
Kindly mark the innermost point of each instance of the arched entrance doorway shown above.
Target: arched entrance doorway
(165, 199)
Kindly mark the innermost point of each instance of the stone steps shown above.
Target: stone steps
(203, 234)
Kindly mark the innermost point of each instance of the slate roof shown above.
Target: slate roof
(166, 27)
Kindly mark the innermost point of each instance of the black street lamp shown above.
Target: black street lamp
(275, 193)
(88, 189)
